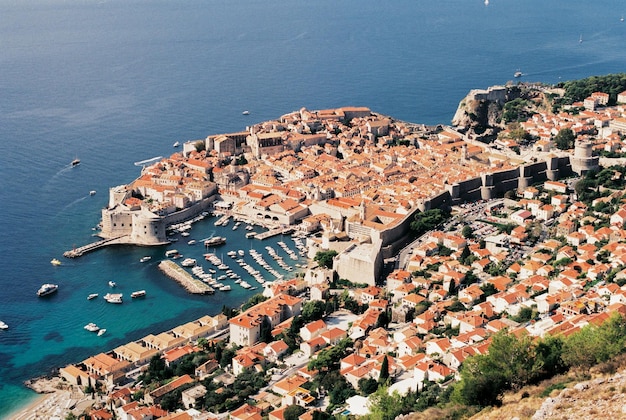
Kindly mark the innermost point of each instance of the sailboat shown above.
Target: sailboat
(621, 19)
(580, 40)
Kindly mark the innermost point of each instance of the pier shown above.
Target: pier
(77, 252)
(177, 273)
(274, 232)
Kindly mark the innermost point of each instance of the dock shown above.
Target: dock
(274, 232)
(77, 252)
(178, 274)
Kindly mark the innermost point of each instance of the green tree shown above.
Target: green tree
(384, 371)
(313, 310)
(427, 220)
(564, 139)
(255, 299)
(385, 406)
(325, 258)
(293, 412)
(368, 385)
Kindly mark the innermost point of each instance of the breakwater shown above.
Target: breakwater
(177, 273)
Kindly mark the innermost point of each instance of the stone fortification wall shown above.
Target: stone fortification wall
(360, 263)
(504, 181)
(468, 190)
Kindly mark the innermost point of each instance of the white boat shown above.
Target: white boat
(75, 162)
(47, 289)
(246, 112)
(113, 297)
(191, 242)
(138, 294)
(171, 252)
(241, 252)
(188, 262)
(580, 40)
(91, 327)
(145, 259)
(92, 296)
(92, 192)
(225, 288)
(3, 326)
(112, 283)
(176, 144)
(517, 74)
(54, 261)
(102, 331)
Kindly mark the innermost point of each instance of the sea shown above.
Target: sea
(113, 82)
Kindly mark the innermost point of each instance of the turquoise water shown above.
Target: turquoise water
(115, 82)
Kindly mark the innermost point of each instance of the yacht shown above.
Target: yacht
(55, 262)
(225, 288)
(188, 262)
(113, 297)
(3, 326)
(92, 296)
(214, 241)
(138, 294)
(145, 259)
(47, 289)
(91, 327)
(171, 253)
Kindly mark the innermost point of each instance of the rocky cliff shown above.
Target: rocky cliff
(480, 112)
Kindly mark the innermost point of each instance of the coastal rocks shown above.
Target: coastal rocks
(46, 385)
(192, 285)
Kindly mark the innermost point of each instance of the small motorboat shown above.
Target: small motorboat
(145, 259)
(55, 262)
(91, 327)
(92, 192)
(138, 294)
(75, 162)
(102, 331)
(112, 283)
(176, 144)
(3, 326)
(92, 296)
(246, 112)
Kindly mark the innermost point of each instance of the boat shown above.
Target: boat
(91, 327)
(75, 162)
(92, 192)
(3, 326)
(621, 19)
(143, 162)
(92, 296)
(246, 112)
(47, 289)
(214, 241)
(145, 259)
(176, 144)
(138, 294)
(113, 297)
(580, 40)
(225, 288)
(188, 262)
(191, 242)
(250, 235)
(102, 331)
(112, 283)
(55, 262)
(171, 253)
(517, 74)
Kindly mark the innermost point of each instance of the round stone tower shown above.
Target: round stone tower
(583, 160)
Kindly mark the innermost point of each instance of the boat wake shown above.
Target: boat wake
(144, 162)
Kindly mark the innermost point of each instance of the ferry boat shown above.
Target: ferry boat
(145, 259)
(3, 326)
(138, 294)
(113, 297)
(215, 241)
(47, 289)
(92, 296)
(91, 327)
(55, 262)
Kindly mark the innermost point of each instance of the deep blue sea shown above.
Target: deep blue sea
(114, 82)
